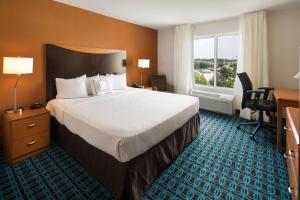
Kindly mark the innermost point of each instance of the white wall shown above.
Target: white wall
(283, 43)
(166, 39)
(165, 43)
(222, 26)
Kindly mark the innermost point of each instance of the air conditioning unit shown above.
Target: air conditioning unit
(217, 102)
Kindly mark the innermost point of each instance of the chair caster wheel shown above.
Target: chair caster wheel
(252, 137)
(238, 127)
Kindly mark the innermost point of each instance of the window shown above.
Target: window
(215, 60)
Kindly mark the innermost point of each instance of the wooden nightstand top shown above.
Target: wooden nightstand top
(25, 114)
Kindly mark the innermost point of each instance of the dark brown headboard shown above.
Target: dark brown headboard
(71, 62)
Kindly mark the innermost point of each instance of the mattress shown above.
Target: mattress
(124, 123)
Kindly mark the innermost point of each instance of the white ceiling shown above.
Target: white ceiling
(163, 13)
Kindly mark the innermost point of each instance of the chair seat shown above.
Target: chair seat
(265, 105)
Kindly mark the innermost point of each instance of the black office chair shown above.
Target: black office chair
(257, 103)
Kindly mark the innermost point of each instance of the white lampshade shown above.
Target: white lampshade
(144, 63)
(17, 65)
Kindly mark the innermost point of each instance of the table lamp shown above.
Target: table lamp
(18, 66)
(143, 63)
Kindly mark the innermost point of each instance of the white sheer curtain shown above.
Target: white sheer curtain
(253, 57)
(183, 59)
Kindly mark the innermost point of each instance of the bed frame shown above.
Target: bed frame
(128, 180)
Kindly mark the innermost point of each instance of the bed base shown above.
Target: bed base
(128, 180)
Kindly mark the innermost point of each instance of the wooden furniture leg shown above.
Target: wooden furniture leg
(273, 118)
(279, 124)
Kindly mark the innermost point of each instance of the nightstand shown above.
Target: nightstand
(25, 134)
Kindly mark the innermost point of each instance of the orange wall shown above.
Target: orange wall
(26, 25)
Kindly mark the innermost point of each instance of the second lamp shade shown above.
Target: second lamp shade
(144, 63)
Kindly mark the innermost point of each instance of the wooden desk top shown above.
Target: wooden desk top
(294, 116)
(286, 94)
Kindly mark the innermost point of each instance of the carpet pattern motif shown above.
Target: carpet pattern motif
(221, 163)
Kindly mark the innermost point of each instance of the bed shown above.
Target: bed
(125, 138)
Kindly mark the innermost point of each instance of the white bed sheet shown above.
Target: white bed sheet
(125, 123)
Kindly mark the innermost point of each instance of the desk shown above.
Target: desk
(284, 98)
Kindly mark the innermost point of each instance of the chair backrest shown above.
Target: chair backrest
(247, 85)
(159, 82)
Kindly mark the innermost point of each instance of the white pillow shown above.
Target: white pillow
(93, 84)
(105, 84)
(101, 85)
(108, 77)
(89, 83)
(118, 81)
(71, 88)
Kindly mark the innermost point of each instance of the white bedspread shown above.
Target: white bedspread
(126, 123)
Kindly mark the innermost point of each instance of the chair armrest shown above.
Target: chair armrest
(259, 92)
(267, 90)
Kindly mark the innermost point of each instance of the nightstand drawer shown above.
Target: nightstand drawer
(29, 144)
(29, 126)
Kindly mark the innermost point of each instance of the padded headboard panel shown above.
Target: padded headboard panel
(71, 62)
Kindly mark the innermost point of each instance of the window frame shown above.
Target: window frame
(215, 37)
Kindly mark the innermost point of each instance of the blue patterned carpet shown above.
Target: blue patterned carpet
(222, 163)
